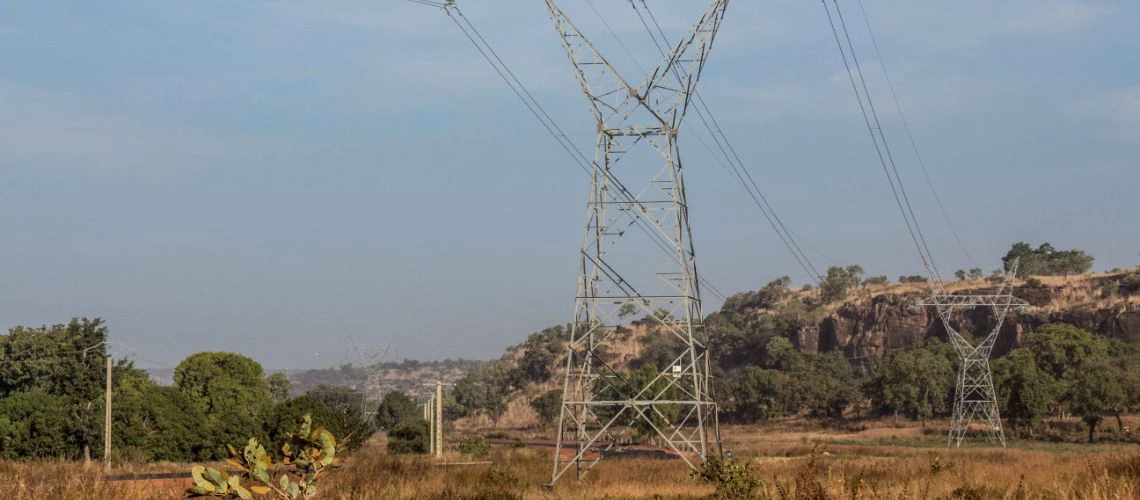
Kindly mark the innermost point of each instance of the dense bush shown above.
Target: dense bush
(395, 408)
(163, 422)
(349, 425)
(409, 436)
(36, 425)
(474, 445)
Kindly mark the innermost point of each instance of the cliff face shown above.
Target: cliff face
(874, 322)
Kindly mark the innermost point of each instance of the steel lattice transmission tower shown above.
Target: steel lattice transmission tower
(637, 180)
(371, 358)
(974, 397)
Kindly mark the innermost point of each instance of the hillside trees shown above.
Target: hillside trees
(548, 406)
(834, 286)
(1046, 260)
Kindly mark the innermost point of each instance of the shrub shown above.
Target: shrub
(308, 454)
(731, 479)
(351, 428)
(36, 424)
(474, 445)
(409, 436)
(1130, 284)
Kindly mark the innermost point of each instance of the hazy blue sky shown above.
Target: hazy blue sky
(273, 176)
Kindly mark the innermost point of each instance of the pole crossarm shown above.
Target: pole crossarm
(636, 146)
(968, 301)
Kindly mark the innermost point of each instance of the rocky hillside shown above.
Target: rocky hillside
(875, 320)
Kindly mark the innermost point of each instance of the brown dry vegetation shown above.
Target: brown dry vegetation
(878, 462)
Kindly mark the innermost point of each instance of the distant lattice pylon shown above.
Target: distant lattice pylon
(975, 400)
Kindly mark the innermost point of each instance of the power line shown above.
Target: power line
(730, 154)
(882, 148)
(520, 90)
(910, 135)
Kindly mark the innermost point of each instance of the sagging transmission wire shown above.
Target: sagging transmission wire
(728, 151)
(587, 165)
(910, 135)
(874, 128)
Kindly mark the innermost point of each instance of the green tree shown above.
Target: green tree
(876, 280)
(626, 310)
(834, 286)
(338, 398)
(1059, 349)
(279, 386)
(548, 406)
(65, 361)
(36, 424)
(826, 384)
(1046, 260)
(537, 363)
(395, 408)
(409, 436)
(1095, 390)
(349, 426)
(975, 273)
(163, 422)
(915, 383)
(780, 354)
(230, 390)
(1023, 390)
(960, 274)
(1068, 262)
(757, 394)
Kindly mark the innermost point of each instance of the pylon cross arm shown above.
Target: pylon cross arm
(613, 99)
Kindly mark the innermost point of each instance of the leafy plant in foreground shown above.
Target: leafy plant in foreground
(308, 455)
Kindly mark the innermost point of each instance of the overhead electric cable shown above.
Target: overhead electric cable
(874, 128)
(728, 151)
(519, 89)
(910, 135)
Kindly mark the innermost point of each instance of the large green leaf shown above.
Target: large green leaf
(328, 447)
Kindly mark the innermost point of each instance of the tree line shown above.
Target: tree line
(51, 401)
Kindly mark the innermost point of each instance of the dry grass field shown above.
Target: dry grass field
(879, 462)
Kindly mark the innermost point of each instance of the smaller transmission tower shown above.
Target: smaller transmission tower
(371, 358)
(975, 398)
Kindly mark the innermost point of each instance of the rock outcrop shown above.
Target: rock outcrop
(871, 323)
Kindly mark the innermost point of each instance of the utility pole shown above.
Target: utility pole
(107, 420)
(429, 416)
(438, 419)
(637, 181)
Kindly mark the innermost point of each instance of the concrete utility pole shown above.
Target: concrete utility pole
(429, 416)
(438, 419)
(107, 420)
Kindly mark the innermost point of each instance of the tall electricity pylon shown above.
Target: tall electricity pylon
(974, 398)
(637, 181)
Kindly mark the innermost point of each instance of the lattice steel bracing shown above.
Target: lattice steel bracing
(974, 398)
(371, 359)
(637, 202)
